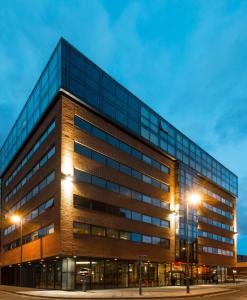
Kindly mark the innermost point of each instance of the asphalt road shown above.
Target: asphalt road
(239, 293)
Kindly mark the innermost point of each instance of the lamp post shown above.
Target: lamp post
(140, 261)
(234, 272)
(16, 219)
(193, 199)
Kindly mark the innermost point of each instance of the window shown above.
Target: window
(147, 219)
(50, 229)
(155, 240)
(136, 237)
(98, 181)
(81, 228)
(99, 133)
(125, 169)
(112, 233)
(165, 243)
(147, 199)
(119, 144)
(82, 202)
(155, 221)
(165, 224)
(124, 235)
(99, 231)
(125, 213)
(147, 239)
(113, 187)
(34, 236)
(98, 206)
(98, 157)
(136, 216)
(82, 150)
(82, 176)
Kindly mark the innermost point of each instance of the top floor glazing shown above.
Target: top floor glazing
(72, 71)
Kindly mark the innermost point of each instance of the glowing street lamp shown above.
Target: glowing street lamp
(16, 219)
(193, 199)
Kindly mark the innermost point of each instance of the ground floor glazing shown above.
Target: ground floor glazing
(64, 273)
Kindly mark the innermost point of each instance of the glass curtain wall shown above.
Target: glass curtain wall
(106, 273)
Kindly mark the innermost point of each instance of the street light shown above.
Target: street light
(141, 258)
(234, 272)
(193, 199)
(16, 219)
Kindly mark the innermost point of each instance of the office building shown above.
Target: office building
(96, 179)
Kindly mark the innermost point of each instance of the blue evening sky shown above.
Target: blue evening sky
(186, 59)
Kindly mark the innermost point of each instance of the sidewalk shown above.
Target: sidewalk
(130, 293)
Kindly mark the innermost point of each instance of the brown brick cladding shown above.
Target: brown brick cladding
(105, 247)
(62, 242)
(50, 244)
(214, 259)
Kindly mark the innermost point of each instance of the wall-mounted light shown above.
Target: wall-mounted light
(68, 177)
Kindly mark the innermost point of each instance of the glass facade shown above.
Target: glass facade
(123, 168)
(42, 95)
(90, 204)
(109, 273)
(72, 71)
(89, 83)
(116, 188)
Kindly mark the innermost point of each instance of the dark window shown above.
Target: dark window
(99, 206)
(136, 153)
(113, 141)
(124, 147)
(82, 150)
(98, 181)
(82, 202)
(124, 191)
(92, 98)
(108, 108)
(98, 157)
(82, 124)
(113, 164)
(76, 87)
(125, 169)
(137, 175)
(81, 176)
(121, 117)
(99, 133)
(137, 196)
(92, 71)
(113, 187)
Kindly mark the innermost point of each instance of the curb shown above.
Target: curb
(226, 291)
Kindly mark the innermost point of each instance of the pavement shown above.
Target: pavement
(128, 293)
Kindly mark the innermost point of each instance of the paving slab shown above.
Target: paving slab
(130, 293)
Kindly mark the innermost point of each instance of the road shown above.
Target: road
(239, 293)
